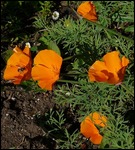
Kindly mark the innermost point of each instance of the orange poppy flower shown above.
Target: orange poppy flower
(111, 69)
(98, 119)
(47, 68)
(87, 10)
(19, 66)
(89, 130)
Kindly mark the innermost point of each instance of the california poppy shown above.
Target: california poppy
(46, 70)
(87, 10)
(98, 119)
(88, 128)
(110, 70)
(19, 65)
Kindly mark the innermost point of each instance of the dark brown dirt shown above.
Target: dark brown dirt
(18, 109)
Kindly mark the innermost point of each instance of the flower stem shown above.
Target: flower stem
(68, 81)
(70, 57)
(67, 58)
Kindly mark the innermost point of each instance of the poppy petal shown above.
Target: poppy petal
(87, 128)
(13, 60)
(125, 61)
(45, 84)
(27, 73)
(45, 76)
(98, 119)
(18, 59)
(91, 17)
(17, 50)
(84, 8)
(112, 61)
(96, 139)
(98, 72)
(87, 10)
(27, 51)
(48, 58)
(22, 57)
(40, 72)
(121, 72)
(113, 78)
(11, 73)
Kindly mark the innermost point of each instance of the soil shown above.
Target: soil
(23, 118)
(18, 108)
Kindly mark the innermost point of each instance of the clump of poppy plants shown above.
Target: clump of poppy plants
(47, 66)
(46, 70)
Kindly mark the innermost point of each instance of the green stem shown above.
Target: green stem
(68, 81)
(67, 58)
(127, 90)
(70, 57)
(73, 74)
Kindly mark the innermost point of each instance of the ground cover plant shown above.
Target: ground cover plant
(68, 82)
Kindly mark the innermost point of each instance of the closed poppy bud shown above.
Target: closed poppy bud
(46, 70)
(67, 23)
(19, 66)
(88, 128)
(110, 70)
(87, 10)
